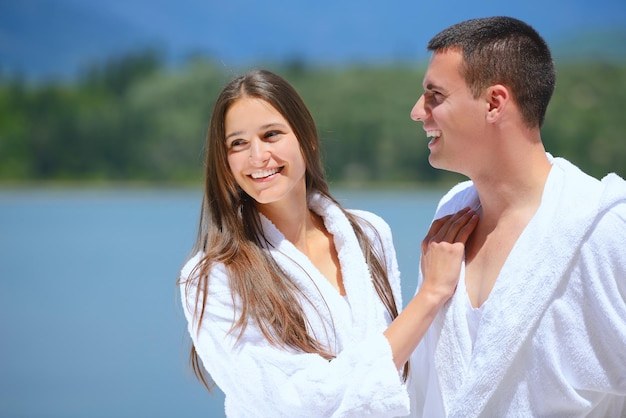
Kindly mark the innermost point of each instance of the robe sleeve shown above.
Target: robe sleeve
(262, 380)
(602, 264)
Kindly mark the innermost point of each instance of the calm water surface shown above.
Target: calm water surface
(90, 320)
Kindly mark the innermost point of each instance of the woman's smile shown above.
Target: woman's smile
(264, 153)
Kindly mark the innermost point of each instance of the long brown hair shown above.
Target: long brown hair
(230, 231)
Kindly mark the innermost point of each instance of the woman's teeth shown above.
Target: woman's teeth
(264, 173)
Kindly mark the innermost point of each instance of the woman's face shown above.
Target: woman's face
(263, 152)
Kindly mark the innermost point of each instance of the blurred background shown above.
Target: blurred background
(103, 112)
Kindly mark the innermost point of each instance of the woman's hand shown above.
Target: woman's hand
(442, 252)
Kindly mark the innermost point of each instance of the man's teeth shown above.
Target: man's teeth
(264, 173)
(433, 134)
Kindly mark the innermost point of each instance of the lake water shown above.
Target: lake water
(90, 320)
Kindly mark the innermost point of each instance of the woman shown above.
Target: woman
(292, 301)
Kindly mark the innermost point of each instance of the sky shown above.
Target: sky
(48, 37)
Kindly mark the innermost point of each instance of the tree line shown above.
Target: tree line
(134, 118)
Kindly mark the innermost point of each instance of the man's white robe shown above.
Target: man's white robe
(551, 341)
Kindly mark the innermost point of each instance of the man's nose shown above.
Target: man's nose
(418, 113)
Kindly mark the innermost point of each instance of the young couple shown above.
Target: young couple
(293, 302)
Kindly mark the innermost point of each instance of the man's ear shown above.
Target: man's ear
(497, 98)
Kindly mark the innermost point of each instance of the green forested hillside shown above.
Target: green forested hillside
(133, 119)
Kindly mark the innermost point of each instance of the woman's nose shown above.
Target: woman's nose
(259, 154)
(418, 113)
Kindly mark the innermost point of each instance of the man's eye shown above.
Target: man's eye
(434, 96)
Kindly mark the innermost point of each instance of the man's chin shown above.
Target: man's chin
(434, 162)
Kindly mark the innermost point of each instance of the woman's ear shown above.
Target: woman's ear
(497, 98)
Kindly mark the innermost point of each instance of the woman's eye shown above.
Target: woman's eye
(236, 143)
(271, 134)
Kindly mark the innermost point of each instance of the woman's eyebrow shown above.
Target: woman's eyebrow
(264, 127)
(272, 125)
(237, 133)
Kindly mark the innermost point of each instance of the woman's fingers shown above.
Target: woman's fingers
(436, 226)
(443, 249)
(459, 227)
(449, 227)
(440, 227)
(434, 230)
(466, 230)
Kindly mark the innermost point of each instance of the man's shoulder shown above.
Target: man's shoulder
(610, 224)
(461, 195)
(614, 192)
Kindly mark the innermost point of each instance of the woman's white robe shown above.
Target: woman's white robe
(260, 380)
(552, 338)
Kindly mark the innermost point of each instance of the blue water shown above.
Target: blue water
(90, 323)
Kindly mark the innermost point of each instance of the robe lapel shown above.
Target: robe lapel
(360, 307)
(357, 279)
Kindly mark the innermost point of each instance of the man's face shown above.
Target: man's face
(453, 119)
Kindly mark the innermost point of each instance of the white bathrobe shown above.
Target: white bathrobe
(260, 380)
(552, 338)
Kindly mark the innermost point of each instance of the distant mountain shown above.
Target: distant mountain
(42, 39)
(598, 43)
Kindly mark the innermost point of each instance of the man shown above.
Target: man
(537, 325)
